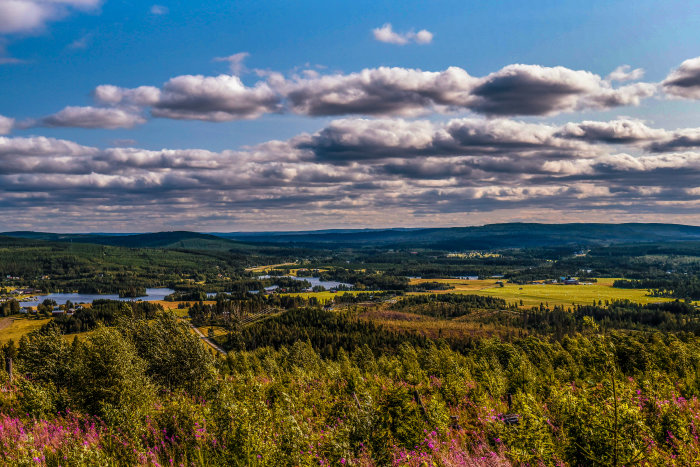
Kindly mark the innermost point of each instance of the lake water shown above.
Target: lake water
(61, 298)
(314, 281)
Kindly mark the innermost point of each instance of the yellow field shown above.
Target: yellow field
(554, 294)
(269, 266)
(14, 327)
(325, 296)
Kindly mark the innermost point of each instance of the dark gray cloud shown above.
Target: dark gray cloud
(538, 90)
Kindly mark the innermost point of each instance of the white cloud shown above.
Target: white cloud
(388, 35)
(235, 62)
(22, 16)
(6, 125)
(92, 117)
(625, 73)
(159, 10)
(214, 98)
(81, 43)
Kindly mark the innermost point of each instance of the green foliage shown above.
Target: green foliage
(174, 356)
(109, 378)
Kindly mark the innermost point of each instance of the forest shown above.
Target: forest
(392, 372)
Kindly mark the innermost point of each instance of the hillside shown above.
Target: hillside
(170, 240)
(511, 235)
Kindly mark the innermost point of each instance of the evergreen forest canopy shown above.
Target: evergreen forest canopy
(392, 372)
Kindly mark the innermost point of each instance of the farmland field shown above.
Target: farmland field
(554, 294)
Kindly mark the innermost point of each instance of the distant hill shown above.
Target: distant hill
(511, 235)
(170, 240)
(487, 237)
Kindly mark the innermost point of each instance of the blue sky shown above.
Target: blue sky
(58, 58)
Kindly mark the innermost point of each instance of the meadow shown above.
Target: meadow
(14, 327)
(554, 294)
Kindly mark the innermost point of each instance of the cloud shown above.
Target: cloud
(159, 10)
(219, 98)
(113, 95)
(81, 43)
(379, 91)
(684, 82)
(388, 35)
(361, 139)
(196, 97)
(513, 90)
(623, 131)
(538, 90)
(625, 73)
(6, 125)
(359, 171)
(385, 91)
(235, 62)
(22, 16)
(92, 117)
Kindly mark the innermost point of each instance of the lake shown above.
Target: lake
(61, 298)
(314, 281)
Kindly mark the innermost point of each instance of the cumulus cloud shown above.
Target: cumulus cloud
(113, 95)
(92, 117)
(387, 34)
(196, 97)
(622, 131)
(379, 91)
(684, 82)
(21, 16)
(384, 91)
(538, 90)
(6, 124)
(513, 90)
(358, 171)
(355, 139)
(218, 98)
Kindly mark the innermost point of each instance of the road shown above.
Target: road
(209, 341)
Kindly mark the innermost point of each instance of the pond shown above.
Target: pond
(61, 298)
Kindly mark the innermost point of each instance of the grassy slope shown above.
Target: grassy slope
(14, 327)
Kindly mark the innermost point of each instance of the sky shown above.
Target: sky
(130, 116)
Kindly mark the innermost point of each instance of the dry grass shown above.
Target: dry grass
(14, 327)
(428, 326)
